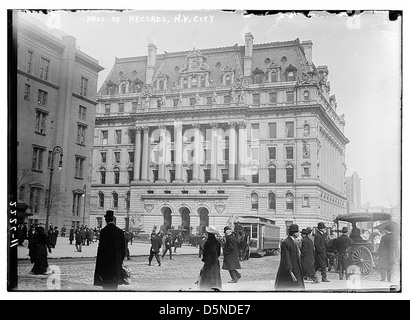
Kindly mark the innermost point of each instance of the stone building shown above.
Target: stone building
(56, 99)
(353, 193)
(187, 139)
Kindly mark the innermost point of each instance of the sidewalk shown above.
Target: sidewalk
(63, 249)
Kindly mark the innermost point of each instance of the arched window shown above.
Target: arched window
(306, 129)
(194, 82)
(254, 201)
(289, 174)
(161, 85)
(273, 77)
(289, 201)
(203, 82)
(102, 175)
(228, 80)
(272, 174)
(116, 175)
(115, 200)
(271, 201)
(101, 200)
(291, 76)
(258, 79)
(185, 83)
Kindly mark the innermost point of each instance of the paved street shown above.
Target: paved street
(75, 273)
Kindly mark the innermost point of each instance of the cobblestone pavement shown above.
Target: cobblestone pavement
(179, 274)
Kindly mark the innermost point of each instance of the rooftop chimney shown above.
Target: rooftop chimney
(151, 59)
(307, 47)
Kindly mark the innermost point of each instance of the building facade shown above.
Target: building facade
(56, 99)
(353, 193)
(188, 139)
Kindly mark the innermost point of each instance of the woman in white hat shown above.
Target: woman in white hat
(210, 276)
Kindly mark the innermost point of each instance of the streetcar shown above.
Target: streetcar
(260, 237)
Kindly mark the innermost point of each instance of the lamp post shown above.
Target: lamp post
(56, 150)
(84, 194)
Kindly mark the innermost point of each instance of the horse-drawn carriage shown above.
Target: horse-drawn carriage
(362, 253)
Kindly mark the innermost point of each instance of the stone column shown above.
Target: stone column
(145, 155)
(163, 154)
(197, 154)
(214, 153)
(178, 154)
(242, 150)
(232, 150)
(137, 154)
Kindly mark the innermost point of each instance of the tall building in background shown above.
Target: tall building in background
(56, 99)
(187, 139)
(353, 193)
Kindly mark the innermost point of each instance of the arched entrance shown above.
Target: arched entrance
(185, 219)
(166, 213)
(203, 220)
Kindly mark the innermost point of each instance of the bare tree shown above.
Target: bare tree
(56, 198)
(24, 177)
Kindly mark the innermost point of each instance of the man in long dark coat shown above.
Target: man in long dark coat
(320, 250)
(307, 258)
(387, 254)
(289, 275)
(231, 256)
(71, 238)
(210, 277)
(156, 243)
(342, 244)
(110, 255)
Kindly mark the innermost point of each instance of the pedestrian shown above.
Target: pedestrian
(78, 240)
(231, 255)
(71, 237)
(31, 246)
(127, 250)
(202, 244)
(53, 237)
(342, 245)
(310, 236)
(63, 230)
(21, 234)
(156, 241)
(387, 254)
(307, 258)
(177, 241)
(83, 235)
(210, 275)
(289, 275)
(88, 236)
(320, 251)
(110, 255)
(40, 246)
(168, 245)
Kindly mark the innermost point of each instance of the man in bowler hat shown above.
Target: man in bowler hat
(110, 255)
(320, 250)
(307, 257)
(289, 275)
(342, 244)
(387, 253)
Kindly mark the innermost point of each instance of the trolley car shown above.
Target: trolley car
(262, 235)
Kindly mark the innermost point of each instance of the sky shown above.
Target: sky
(362, 52)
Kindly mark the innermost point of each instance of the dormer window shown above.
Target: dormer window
(185, 83)
(291, 73)
(194, 82)
(228, 80)
(203, 82)
(291, 76)
(161, 85)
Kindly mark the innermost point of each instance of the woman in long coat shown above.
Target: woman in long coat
(290, 263)
(40, 248)
(210, 276)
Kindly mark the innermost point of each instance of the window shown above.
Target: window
(254, 231)
(289, 174)
(291, 76)
(194, 82)
(116, 176)
(290, 96)
(185, 83)
(34, 202)
(306, 130)
(289, 201)
(172, 175)
(203, 82)
(255, 131)
(118, 134)
(254, 201)
(104, 137)
(37, 163)
(130, 175)
(155, 174)
(115, 200)
(273, 77)
(289, 152)
(101, 200)
(29, 61)
(79, 167)
(131, 156)
(121, 108)
(102, 175)
(81, 134)
(42, 97)
(306, 171)
(161, 85)
(273, 97)
(175, 101)
(84, 87)
(272, 130)
(27, 92)
(255, 177)
(40, 122)
(189, 175)
(76, 204)
(272, 153)
(103, 157)
(228, 80)
(192, 101)
(306, 95)
(107, 109)
(272, 174)
(82, 113)
(256, 99)
(117, 157)
(290, 130)
(207, 174)
(306, 201)
(44, 68)
(271, 201)
(227, 99)
(225, 175)
(258, 79)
